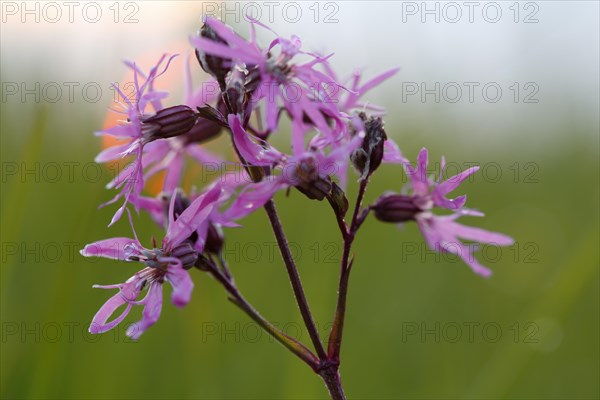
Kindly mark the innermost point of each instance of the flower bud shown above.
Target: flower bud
(235, 90)
(186, 254)
(214, 239)
(203, 131)
(253, 79)
(337, 199)
(168, 122)
(217, 67)
(307, 180)
(367, 158)
(203, 263)
(393, 207)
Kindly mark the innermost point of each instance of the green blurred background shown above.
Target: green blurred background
(418, 325)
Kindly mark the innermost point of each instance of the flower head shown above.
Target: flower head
(298, 88)
(159, 140)
(441, 232)
(136, 132)
(310, 170)
(167, 263)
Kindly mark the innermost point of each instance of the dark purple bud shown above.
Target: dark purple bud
(235, 90)
(216, 115)
(214, 239)
(337, 199)
(367, 158)
(168, 122)
(306, 179)
(186, 254)
(280, 72)
(203, 131)
(252, 79)
(393, 207)
(217, 67)
(203, 263)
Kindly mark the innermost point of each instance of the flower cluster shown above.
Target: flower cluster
(333, 130)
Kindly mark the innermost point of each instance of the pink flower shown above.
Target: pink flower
(169, 154)
(300, 89)
(160, 140)
(132, 133)
(207, 235)
(349, 100)
(169, 263)
(309, 171)
(441, 232)
(436, 191)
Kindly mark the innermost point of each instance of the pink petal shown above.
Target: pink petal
(478, 234)
(152, 308)
(213, 48)
(418, 176)
(126, 130)
(254, 196)
(342, 152)
(458, 248)
(117, 216)
(477, 267)
(243, 48)
(391, 153)
(221, 50)
(299, 130)
(188, 83)
(252, 152)
(314, 113)
(451, 204)
(122, 177)
(182, 285)
(453, 182)
(109, 248)
(203, 156)
(173, 176)
(111, 153)
(99, 324)
(154, 206)
(191, 219)
(377, 80)
(441, 234)
(271, 110)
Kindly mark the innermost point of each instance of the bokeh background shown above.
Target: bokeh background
(418, 326)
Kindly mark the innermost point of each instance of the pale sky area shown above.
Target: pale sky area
(542, 56)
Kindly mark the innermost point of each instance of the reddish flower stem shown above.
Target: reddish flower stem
(337, 329)
(331, 377)
(324, 366)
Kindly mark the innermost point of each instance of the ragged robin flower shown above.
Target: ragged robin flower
(158, 141)
(279, 76)
(441, 232)
(167, 263)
